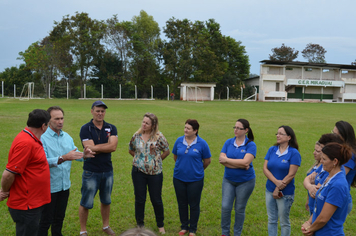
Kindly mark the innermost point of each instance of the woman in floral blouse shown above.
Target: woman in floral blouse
(148, 147)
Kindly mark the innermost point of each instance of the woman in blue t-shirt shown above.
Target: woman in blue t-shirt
(239, 179)
(332, 198)
(281, 164)
(192, 157)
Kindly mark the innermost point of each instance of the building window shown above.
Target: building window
(277, 86)
(308, 69)
(289, 68)
(325, 70)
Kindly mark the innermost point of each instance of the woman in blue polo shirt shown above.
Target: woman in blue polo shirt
(239, 179)
(281, 164)
(332, 198)
(192, 157)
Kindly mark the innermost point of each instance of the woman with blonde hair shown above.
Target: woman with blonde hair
(149, 148)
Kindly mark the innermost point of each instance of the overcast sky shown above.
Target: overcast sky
(259, 24)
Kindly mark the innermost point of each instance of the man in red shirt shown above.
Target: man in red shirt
(26, 179)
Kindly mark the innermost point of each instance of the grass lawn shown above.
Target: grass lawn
(309, 121)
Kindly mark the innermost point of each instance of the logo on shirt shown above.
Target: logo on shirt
(195, 150)
(243, 151)
(284, 161)
(107, 130)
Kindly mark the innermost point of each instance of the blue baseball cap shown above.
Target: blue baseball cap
(99, 104)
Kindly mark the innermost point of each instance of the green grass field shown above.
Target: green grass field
(309, 121)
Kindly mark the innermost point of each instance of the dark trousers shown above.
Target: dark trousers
(188, 194)
(53, 214)
(154, 183)
(27, 221)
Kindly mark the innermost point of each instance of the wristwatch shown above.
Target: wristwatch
(60, 160)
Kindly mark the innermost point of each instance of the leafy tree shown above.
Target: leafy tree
(283, 53)
(208, 49)
(117, 38)
(198, 52)
(238, 68)
(144, 40)
(82, 35)
(41, 57)
(314, 53)
(177, 51)
(108, 72)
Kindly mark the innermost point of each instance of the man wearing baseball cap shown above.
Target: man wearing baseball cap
(100, 137)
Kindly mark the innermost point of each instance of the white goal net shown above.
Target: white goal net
(27, 91)
(194, 94)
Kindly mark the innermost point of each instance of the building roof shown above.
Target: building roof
(309, 64)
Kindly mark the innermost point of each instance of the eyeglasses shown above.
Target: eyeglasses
(281, 134)
(186, 150)
(238, 128)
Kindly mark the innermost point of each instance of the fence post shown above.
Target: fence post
(167, 92)
(2, 88)
(14, 90)
(151, 92)
(135, 92)
(85, 91)
(49, 90)
(120, 90)
(242, 90)
(102, 91)
(227, 93)
(67, 90)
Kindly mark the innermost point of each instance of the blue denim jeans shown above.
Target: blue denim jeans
(278, 208)
(91, 183)
(188, 194)
(240, 193)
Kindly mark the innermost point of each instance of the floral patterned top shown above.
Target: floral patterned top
(148, 155)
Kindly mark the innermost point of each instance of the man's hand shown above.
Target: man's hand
(3, 195)
(88, 153)
(72, 155)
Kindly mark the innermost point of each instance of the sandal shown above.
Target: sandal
(183, 231)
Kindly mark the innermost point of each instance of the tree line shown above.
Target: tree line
(80, 50)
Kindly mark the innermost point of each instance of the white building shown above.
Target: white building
(197, 91)
(302, 81)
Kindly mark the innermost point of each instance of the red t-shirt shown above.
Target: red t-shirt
(27, 159)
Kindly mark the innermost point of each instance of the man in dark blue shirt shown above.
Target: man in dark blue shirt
(100, 137)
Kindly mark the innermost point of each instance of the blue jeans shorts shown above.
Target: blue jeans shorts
(94, 181)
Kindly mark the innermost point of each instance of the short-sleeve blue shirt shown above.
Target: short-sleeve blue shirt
(335, 193)
(189, 166)
(102, 161)
(231, 151)
(279, 167)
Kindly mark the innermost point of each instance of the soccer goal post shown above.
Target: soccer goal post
(27, 91)
(194, 94)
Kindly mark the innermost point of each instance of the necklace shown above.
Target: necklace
(98, 133)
